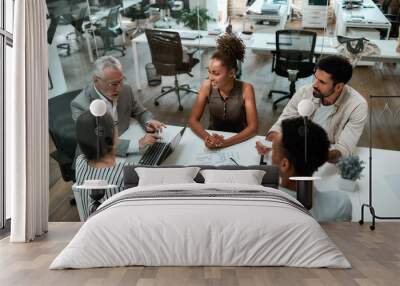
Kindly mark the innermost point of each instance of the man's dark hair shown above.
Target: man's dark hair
(293, 145)
(86, 135)
(338, 67)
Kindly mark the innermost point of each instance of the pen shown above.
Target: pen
(233, 160)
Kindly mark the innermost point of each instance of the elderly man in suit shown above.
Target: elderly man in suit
(108, 84)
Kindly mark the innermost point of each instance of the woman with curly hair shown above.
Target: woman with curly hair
(231, 102)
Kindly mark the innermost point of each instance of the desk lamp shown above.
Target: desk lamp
(304, 185)
(97, 187)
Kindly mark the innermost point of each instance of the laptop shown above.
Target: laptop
(159, 151)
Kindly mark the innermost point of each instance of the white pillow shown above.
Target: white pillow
(248, 177)
(165, 176)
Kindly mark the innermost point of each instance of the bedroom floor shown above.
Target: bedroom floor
(374, 255)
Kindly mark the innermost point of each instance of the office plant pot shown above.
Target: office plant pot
(347, 185)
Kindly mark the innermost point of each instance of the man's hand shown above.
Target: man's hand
(154, 126)
(214, 141)
(334, 156)
(262, 149)
(272, 135)
(148, 139)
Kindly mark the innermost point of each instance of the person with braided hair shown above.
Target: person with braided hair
(231, 103)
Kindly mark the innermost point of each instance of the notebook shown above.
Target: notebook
(159, 151)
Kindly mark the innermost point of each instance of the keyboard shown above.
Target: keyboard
(153, 154)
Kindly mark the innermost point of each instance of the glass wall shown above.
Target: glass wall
(6, 29)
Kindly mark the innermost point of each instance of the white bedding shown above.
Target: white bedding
(182, 231)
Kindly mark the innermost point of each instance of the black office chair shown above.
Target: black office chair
(109, 32)
(76, 20)
(62, 132)
(166, 54)
(393, 17)
(138, 12)
(293, 59)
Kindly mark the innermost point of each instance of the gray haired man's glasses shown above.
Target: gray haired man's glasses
(113, 84)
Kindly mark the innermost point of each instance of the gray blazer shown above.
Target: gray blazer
(128, 106)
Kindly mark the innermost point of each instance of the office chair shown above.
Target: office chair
(139, 12)
(109, 32)
(77, 21)
(293, 59)
(164, 7)
(62, 132)
(393, 18)
(166, 54)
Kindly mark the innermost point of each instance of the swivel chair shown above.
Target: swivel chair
(293, 59)
(392, 16)
(166, 53)
(109, 32)
(62, 132)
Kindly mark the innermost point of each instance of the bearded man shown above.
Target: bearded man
(338, 108)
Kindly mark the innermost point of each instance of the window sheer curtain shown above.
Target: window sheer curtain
(27, 143)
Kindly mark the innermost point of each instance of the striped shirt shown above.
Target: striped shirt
(113, 175)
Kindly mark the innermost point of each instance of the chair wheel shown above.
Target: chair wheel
(156, 103)
(180, 108)
(72, 201)
(361, 222)
(372, 227)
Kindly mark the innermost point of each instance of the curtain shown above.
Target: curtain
(27, 143)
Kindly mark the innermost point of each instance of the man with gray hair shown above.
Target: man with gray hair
(108, 84)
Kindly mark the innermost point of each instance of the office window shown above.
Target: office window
(6, 29)
(9, 15)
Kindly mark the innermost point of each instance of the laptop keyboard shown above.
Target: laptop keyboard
(152, 154)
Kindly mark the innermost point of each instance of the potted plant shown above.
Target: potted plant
(195, 19)
(350, 169)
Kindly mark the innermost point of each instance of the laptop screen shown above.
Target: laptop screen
(175, 142)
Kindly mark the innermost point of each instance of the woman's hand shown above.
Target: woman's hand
(214, 141)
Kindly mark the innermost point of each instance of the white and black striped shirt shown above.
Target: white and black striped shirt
(113, 175)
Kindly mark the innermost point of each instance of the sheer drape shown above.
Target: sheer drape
(27, 123)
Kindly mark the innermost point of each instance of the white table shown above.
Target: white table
(367, 16)
(386, 174)
(327, 46)
(254, 13)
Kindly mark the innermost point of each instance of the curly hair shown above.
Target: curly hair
(230, 49)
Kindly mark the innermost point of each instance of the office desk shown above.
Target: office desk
(386, 174)
(367, 16)
(266, 42)
(253, 12)
(327, 46)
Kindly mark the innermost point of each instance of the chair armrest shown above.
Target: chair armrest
(61, 158)
(192, 51)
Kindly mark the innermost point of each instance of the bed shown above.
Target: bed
(201, 224)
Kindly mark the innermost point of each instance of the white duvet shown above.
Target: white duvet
(183, 231)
